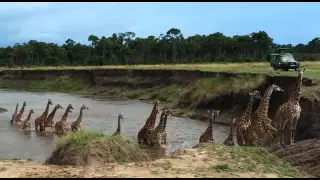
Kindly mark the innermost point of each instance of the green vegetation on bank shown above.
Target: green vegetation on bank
(83, 148)
(246, 159)
(171, 47)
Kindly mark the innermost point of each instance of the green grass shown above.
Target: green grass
(76, 146)
(60, 84)
(313, 68)
(247, 159)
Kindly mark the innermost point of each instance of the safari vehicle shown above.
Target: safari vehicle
(283, 60)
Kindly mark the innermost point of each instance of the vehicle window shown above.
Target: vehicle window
(287, 57)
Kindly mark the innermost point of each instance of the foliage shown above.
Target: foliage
(171, 47)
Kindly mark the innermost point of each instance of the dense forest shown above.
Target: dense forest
(169, 47)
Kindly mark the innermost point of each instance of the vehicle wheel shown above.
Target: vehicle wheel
(295, 69)
(274, 68)
(285, 69)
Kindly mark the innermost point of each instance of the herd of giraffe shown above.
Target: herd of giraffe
(244, 131)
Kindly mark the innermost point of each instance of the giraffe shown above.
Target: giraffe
(159, 135)
(39, 121)
(77, 125)
(49, 122)
(250, 135)
(232, 137)
(207, 136)
(289, 112)
(18, 117)
(145, 131)
(261, 122)
(26, 123)
(244, 122)
(118, 131)
(15, 113)
(61, 126)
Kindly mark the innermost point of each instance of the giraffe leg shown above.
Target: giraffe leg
(164, 138)
(241, 137)
(283, 124)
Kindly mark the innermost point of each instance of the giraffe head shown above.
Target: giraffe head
(84, 107)
(276, 87)
(120, 117)
(69, 108)
(167, 111)
(156, 103)
(58, 106)
(49, 102)
(214, 114)
(31, 111)
(301, 71)
(255, 94)
(24, 103)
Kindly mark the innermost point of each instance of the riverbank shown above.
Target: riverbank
(189, 92)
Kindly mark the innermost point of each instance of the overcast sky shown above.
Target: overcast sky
(57, 21)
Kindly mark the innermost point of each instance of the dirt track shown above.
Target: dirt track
(187, 163)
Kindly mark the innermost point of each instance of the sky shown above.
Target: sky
(286, 23)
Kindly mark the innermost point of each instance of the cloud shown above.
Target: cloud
(56, 22)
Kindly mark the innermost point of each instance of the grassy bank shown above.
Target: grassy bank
(186, 99)
(83, 148)
(313, 68)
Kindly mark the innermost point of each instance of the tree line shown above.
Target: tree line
(169, 47)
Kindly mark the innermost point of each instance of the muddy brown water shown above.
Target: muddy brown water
(102, 115)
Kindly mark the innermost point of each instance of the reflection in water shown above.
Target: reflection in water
(102, 115)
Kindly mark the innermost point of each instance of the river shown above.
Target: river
(102, 115)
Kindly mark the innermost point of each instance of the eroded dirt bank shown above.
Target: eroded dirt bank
(189, 92)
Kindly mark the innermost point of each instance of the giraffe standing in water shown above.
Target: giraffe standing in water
(77, 125)
(49, 122)
(15, 113)
(145, 131)
(118, 131)
(159, 135)
(39, 121)
(18, 117)
(261, 121)
(289, 112)
(61, 126)
(232, 137)
(207, 136)
(245, 121)
(26, 123)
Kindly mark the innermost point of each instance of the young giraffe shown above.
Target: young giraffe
(49, 122)
(244, 122)
(77, 125)
(261, 121)
(18, 117)
(118, 131)
(289, 112)
(207, 136)
(15, 113)
(26, 123)
(145, 131)
(232, 137)
(39, 121)
(61, 126)
(159, 135)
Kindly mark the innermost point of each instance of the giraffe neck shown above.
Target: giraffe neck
(22, 109)
(65, 115)
(17, 106)
(119, 125)
(80, 115)
(295, 94)
(152, 118)
(45, 113)
(209, 129)
(264, 105)
(29, 116)
(163, 122)
(51, 115)
(247, 112)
